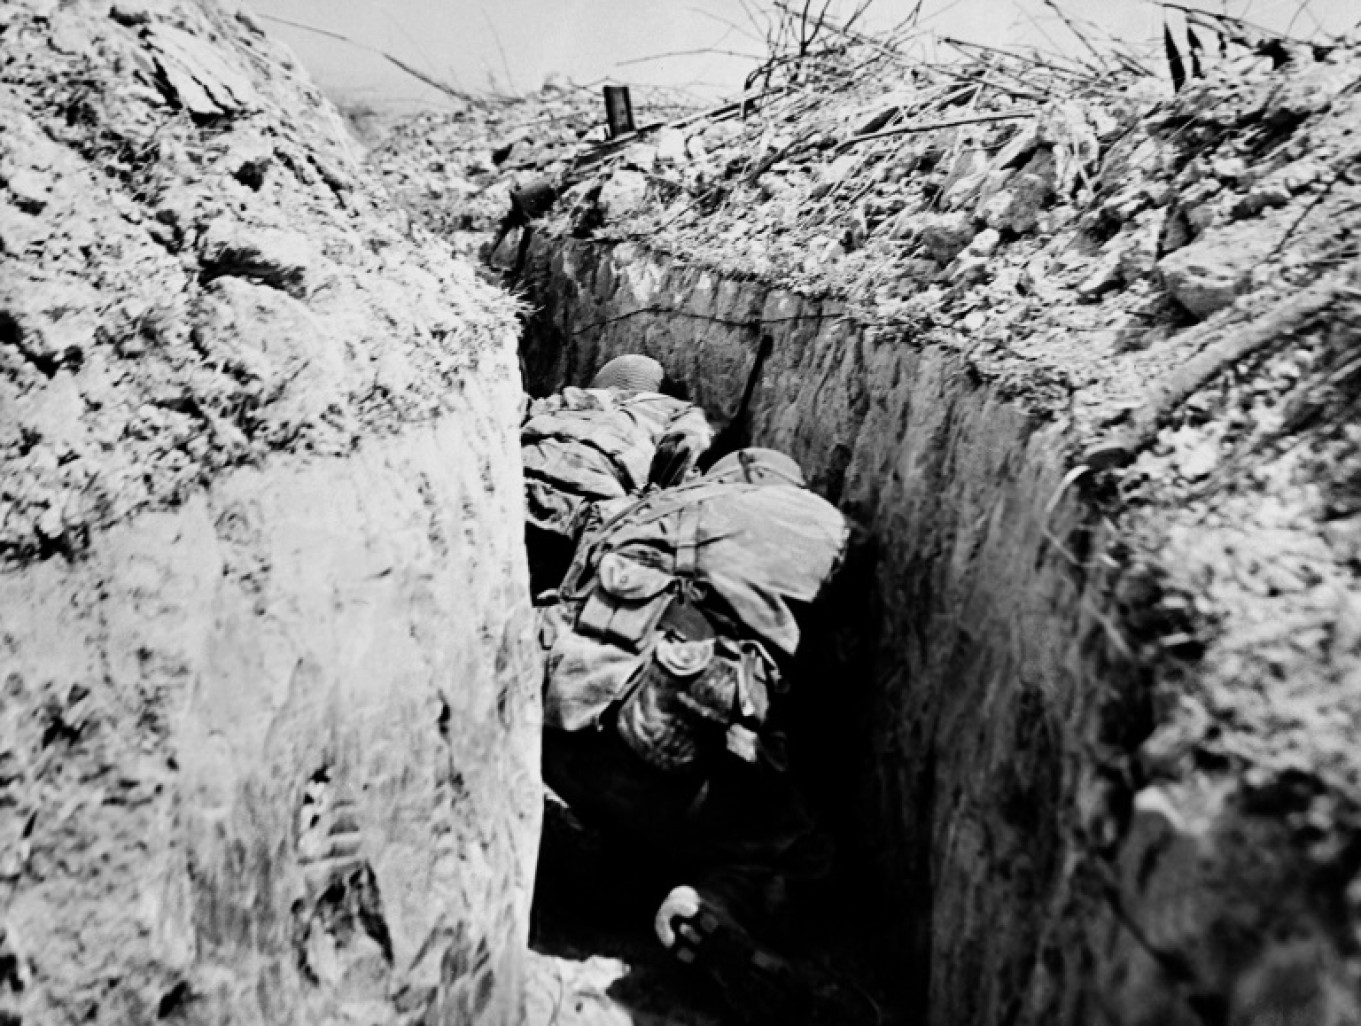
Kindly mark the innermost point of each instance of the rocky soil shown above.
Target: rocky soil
(1082, 355)
(268, 733)
(455, 170)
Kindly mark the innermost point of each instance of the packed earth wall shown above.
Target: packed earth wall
(268, 714)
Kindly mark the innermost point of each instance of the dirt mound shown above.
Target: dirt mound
(267, 749)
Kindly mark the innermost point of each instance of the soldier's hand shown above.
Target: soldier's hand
(682, 902)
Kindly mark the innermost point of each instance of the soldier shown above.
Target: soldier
(610, 440)
(670, 647)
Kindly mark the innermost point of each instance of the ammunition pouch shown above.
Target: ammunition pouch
(626, 603)
(693, 699)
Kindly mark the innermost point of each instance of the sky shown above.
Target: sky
(513, 45)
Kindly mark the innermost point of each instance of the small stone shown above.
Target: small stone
(1106, 276)
(51, 524)
(248, 160)
(1344, 536)
(970, 269)
(1158, 193)
(1229, 169)
(1200, 217)
(1347, 627)
(944, 236)
(515, 143)
(671, 146)
(1137, 249)
(822, 252)
(1197, 461)
(1305, 94)
(1261, 197)
(1208, 275)
(773, 187)
(838, 169)
(30, 190)
(985, 243)
(721, 133)
(1301, 174)
(1166, 751)
(1017, 207)
(642, 156)
(623, 193)
(996, 210)
(70, 34)
(1124, 204)
(130, 12)
(964, 180)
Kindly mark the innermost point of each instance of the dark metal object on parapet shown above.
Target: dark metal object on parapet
(533, 200)
(527, 204)
(618, 110)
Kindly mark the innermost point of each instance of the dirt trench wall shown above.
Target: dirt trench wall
(976, 674)
(1034, 792)
(268, 703)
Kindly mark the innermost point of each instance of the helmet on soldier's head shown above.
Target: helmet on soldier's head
(632, 372)
(758, 466)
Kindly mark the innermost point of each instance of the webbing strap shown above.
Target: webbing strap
(687, 541)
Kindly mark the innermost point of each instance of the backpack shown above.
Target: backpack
(585, 445)
(677, 617)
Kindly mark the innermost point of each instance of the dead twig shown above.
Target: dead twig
(1225, 342)
(501, 49)
(1072, 27)
(847, 32)
(987, 67)
(738, 106)
(686, 53)
(1204, 17)
(934, 125)
(416, 73)
(1016, 92)
(1029, 58)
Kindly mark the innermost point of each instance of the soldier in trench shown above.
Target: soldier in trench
(625, 432)
(672, 644)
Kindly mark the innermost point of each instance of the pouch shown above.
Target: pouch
(626, 602)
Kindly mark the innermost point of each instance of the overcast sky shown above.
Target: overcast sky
(485, 45)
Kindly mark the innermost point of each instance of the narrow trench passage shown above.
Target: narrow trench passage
(596, 896)
(940, 709)
(1084, 732)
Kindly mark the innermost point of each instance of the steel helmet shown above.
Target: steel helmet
(633, 372)
(758, 466)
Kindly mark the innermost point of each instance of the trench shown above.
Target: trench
(943, 739)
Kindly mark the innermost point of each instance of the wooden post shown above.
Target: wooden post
(618, 110)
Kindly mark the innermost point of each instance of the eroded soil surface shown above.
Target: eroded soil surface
(268, 750)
